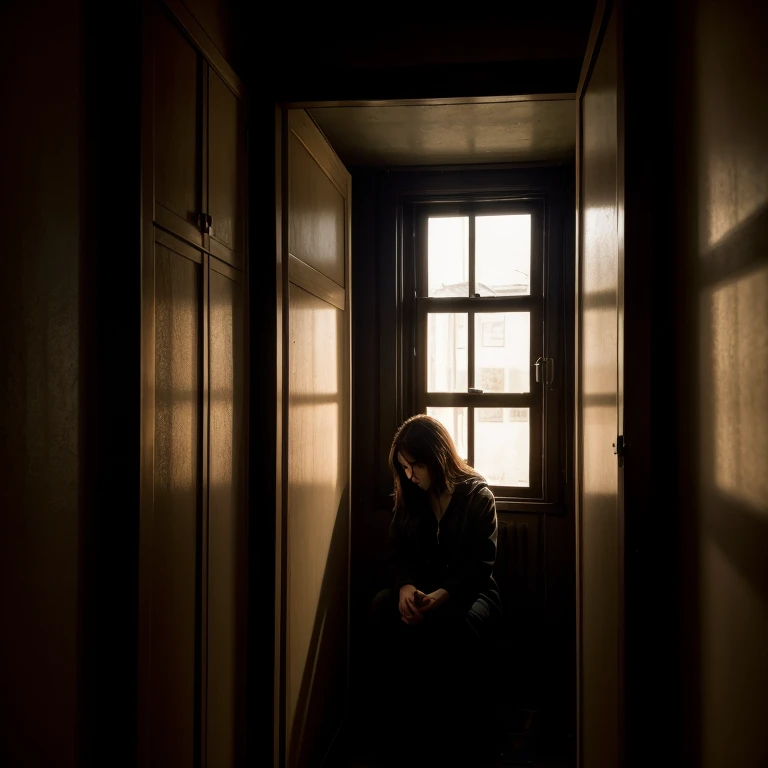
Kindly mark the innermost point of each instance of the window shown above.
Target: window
(484, 315)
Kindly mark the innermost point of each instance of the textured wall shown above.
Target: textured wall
(39, 302)
(729, 267)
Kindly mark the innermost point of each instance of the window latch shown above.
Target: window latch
(549, 364)
(474, 391)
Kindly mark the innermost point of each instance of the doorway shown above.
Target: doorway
(400, 154)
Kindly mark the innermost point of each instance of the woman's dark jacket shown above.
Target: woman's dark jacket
(458, 554)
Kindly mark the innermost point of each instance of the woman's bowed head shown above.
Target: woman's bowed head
(424, 463)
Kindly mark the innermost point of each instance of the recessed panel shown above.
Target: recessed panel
(316, 219)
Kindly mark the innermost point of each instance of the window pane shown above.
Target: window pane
(503, 255)
(448, 256)
(502, 351)
(502, 445)
(447, 352)
(455, 421)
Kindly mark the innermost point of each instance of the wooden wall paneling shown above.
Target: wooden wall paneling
(318, 192)
(177, 121)
(316, 283)
(318, 526)
(227, 170)
(316, 535)
(227, 523)
(519, 573)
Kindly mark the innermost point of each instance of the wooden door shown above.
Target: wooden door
(171, 563)
(227, 534)
(177, 109)
(600, 533)
(313, 693)
(195, 551)
(226, 171)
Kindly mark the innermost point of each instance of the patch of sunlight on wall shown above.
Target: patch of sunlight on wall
(731, 120)
(177, 409)
(317, 424)
(321, 377)
(182, 456)
(599, 272)
(329, 334)
(737, 187)
(599, 358)
(221, 391)
(738, 317)
(314, 495)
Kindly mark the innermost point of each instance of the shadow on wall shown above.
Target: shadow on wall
(732, 580)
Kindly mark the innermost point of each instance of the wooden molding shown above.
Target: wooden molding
(316, 283)
(599, 22)
(206, 46)
(449, 101)
(309, 134)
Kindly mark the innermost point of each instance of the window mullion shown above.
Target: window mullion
(420, 357)
(471, 343)
(471, 255)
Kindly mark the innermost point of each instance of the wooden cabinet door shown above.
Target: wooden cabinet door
(193, 520)
(226, 171)
(177, 124)
(176, 513)
(226, 562)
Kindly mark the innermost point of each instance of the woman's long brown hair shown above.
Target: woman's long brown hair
(428, 442)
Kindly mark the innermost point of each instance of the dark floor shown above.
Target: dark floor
(519, 744)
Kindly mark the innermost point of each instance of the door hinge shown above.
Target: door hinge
(620, 449)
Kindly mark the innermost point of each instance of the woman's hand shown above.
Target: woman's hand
(414, 603)
(408, 604)
(431, 601)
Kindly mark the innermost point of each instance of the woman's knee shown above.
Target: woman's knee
(383, 608)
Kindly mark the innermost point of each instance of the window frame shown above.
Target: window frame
(546, 306)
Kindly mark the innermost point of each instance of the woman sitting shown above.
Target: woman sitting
(434, 622)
